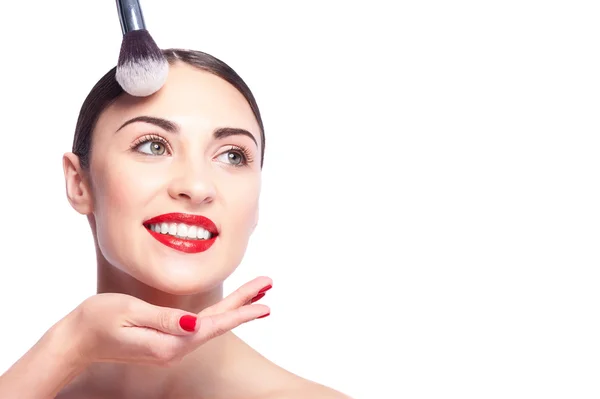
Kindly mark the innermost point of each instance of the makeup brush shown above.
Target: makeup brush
(142, 68)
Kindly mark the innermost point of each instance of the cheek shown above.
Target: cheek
(121, 192)
(242, 204)
(123, 189)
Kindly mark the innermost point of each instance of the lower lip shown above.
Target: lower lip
(183, 245)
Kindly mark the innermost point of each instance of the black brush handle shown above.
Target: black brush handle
(130, 15)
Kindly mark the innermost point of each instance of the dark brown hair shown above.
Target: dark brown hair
(108, 89)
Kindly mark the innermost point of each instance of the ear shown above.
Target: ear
(79, 193)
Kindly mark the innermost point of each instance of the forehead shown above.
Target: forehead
(190, 97)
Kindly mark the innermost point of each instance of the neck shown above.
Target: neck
(201, 371)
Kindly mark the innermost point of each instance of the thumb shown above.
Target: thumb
(168, 320)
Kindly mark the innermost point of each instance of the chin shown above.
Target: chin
(183, 278)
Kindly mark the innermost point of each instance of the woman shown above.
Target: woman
(170, 186)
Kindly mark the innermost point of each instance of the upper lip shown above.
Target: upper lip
(193, 220)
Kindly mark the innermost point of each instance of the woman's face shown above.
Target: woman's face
(161, 166)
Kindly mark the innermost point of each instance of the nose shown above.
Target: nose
(191, 183)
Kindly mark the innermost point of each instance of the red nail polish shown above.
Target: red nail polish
(256, 298)
(188, 323)
(265, 315)
(267, 288)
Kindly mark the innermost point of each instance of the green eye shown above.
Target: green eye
(233, 158)
(152, 148)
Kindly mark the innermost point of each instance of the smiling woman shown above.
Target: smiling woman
(170, 185)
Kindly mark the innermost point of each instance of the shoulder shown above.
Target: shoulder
(307, 390)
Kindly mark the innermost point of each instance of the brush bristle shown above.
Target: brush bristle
(142, 68)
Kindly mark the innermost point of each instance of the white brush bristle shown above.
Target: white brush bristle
(144, 77)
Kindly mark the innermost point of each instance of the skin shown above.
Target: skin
(195, 174)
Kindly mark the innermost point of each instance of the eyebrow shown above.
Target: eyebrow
(172, 127)
(160, 122)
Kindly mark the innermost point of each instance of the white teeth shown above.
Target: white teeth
(181, 230)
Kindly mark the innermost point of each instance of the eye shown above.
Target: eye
(234, 157)
(152, 148)
(151, 145)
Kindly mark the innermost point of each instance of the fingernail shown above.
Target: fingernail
(256, 298)
(188, 323)
(267, 288)
(265, 315)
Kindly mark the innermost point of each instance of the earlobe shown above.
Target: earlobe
(78, 191)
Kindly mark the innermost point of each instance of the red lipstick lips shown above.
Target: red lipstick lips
(187, 245)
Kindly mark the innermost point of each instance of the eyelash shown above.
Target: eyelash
(243, 151)
(150, 137)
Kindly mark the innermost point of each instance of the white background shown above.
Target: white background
(430, 211)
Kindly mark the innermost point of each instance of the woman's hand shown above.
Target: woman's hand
(122, 328)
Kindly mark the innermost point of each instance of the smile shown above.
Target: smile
(183, 232)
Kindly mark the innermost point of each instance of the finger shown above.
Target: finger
(217, 324)
(240, 297)
(167, 320)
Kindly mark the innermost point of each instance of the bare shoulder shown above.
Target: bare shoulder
(307, 389)
(76, 394)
